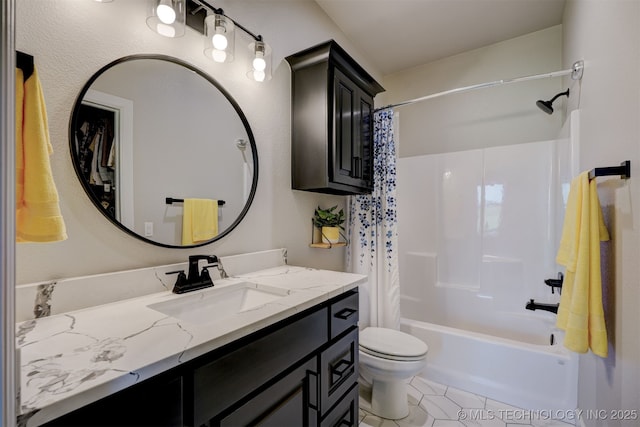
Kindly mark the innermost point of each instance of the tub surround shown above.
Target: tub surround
(73, 358)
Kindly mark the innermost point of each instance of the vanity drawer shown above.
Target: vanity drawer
(345, 414)
(229, 379)
(338, 369)
(343, 314)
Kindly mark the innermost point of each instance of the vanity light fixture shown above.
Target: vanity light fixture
(261, 64)
(219, 32)
(219, 38)
(167, 17)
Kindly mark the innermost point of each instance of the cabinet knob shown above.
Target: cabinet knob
(341, 369)
(345, 313)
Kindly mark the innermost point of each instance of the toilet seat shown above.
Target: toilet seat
(391, 344)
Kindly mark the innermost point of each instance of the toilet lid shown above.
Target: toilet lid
(391, 344)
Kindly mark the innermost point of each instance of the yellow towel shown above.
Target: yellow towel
(38, 217)
(581, 313)
(199, 220)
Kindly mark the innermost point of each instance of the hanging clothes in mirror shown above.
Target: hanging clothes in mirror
(38, 217)
(94, 145)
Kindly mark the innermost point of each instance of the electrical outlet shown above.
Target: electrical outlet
(148, 229)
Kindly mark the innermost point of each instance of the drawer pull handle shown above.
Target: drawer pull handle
(345, 313)
(312, 381)
(340, 369)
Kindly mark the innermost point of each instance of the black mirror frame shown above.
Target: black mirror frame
(85, 184)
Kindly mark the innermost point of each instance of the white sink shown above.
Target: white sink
(215, 304)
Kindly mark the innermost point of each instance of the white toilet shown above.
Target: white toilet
(387, 359)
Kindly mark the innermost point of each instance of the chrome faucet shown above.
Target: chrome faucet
(196, 279)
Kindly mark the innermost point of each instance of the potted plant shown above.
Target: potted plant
(330, 223)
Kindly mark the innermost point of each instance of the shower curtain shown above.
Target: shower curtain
(372, 230)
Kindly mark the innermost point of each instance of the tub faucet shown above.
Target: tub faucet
(196, 279)
(532, 305)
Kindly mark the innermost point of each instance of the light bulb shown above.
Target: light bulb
(259, 75)
(220, 41)
(260, 70)
(165, 12)
(219, 55)
(259, 64)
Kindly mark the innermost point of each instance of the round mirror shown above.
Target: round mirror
(151, 138)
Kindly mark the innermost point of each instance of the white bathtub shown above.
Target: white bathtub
(528, 376)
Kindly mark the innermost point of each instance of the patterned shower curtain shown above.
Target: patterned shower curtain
(373, 233)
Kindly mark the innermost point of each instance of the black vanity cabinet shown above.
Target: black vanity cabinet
(332, 122)
(302, 371)
(156, 402)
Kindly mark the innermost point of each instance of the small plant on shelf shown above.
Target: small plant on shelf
(330, 223)
(329, 217)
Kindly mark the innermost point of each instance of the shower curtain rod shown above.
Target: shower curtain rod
(575, 71)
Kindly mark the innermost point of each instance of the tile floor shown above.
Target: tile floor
(437, 405)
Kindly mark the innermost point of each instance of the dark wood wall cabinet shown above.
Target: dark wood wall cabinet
(332, 121)
(302, 371)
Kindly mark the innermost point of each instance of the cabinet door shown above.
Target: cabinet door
(365, 137)
(288, 402)
(229, 379)
(353, 132)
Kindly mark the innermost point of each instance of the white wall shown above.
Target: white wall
(606, 34)
(486, 117)
(72, 39)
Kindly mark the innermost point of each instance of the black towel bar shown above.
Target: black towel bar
(24, 61)
(171, 200)
(624, 170)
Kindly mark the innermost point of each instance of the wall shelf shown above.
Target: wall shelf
(327, 245)
(316, 239)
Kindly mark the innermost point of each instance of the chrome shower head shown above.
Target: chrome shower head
(547, 106)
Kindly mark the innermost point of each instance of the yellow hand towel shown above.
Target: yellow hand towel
(199, 220)
(38, 217)
(581, 313)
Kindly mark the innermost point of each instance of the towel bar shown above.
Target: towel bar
(171, 200)
(624, 170)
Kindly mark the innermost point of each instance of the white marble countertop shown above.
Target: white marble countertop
(72, 359)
